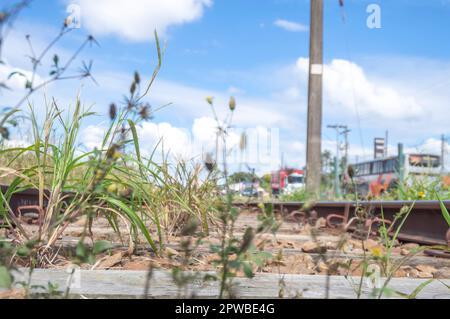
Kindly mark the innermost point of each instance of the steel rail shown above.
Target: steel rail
(424, 225)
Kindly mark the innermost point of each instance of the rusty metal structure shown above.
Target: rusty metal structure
(424, 225)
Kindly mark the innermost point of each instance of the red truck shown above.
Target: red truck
(287, 180)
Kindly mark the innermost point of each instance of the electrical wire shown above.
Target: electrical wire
(347, 46)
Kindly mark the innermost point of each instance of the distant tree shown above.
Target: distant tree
(239, 177)
(266, 180)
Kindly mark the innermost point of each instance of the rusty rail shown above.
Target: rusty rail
(425, 224)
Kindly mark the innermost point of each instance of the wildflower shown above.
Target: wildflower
(112, 111)
(232, 103)
(210, 99)
(421, 194)
(376, 251)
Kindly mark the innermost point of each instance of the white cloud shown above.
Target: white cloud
(345, 83)
(430, 146)
(290, 25)
(16, 78)
(136, 20)
(177, 142)
(190, 102)
(92, 136)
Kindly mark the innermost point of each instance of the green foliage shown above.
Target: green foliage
(298, 196)
(239, 177)
(86, 254)
(444, 211)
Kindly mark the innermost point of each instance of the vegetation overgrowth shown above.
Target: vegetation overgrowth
(156, 199)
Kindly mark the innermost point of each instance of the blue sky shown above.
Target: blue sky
(393, 78)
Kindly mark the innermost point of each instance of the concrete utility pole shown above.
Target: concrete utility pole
(314, 125)
(345, 131)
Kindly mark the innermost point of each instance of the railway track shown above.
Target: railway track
(424, 225)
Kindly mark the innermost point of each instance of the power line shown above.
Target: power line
(355, 104)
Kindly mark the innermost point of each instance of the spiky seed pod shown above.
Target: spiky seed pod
(350, 171)
(210, 100)
(144, 112)
(209, 162)
(232, 103)
(112, 111)
(137, 78)
(4, 132)
(246, 239)
(130, 105)
(133, 88)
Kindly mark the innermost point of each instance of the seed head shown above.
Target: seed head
(210, 100)
(350, 171)
(112, 111)
(111, 153)
(4, 132)
(144, 112)
(133, 88)
(232, 103)
(137, 78)
(209, 162)
(247, 239)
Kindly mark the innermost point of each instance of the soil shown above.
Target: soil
(293, 250)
